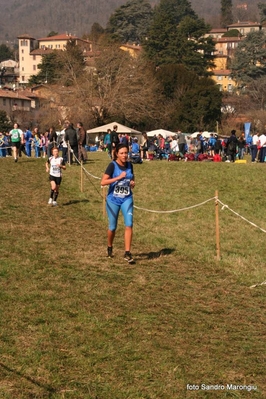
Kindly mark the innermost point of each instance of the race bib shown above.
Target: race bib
(15, 135)
(56, 169)
(122, 189)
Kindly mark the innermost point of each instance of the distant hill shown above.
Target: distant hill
(38, 17)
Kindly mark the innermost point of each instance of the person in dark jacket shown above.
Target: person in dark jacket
(114, 140)
(72, 139)
(81, 142)
(232, 146)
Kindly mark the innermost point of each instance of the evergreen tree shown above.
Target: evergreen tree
(48, 69)
(262, 11)
(226, 13)
(5, 53)
(96, 32)
(176, 36)
(190, 102)
(249, 62)
(130, 22)
(5, 124)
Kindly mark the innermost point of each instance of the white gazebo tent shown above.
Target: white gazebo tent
(163, 132)
(204, 134)
(95, 132)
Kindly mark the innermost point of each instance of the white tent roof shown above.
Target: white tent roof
(120, 129)
(204, 134)
(163, 132)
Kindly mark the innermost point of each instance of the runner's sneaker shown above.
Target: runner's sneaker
(109, 252)
(54, 203)
(50, 202)
(128, 257)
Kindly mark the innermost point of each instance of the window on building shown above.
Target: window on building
(230, 87)
(22, 58)
(24, 42)
(4, 101)
(22, 69)
(219, 78)
(34, 67)
(22, 51)
(34, 58)
(23, 78)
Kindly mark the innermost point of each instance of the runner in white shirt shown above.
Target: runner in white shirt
(54, 165)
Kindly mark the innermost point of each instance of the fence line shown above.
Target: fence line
(242, 217)
(176, 210)
(186, 208)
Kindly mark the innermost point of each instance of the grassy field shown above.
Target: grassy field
(75, 324)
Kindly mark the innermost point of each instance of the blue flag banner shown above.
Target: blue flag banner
(247, 126)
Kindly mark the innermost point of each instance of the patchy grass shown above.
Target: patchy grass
(75, 324)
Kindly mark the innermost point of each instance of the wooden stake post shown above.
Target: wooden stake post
(218, 253)
(81, 177)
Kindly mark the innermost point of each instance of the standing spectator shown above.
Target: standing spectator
(2, 146)
(218, 146)
(72, 139)
(144, 147)
(22, 146)
(36, 142)
(262, 154)
(52, 140)
(28, 141)
(231, 146)
(254, 147)
(119, 177)
(198, 146)
(211, 144)
(82, 153)
(181, 140)
(16, 135)
(124, 139)
(241, 146)
(114, 140)
(161, 142)
(44, 143)
(107, 142)
(173, 145)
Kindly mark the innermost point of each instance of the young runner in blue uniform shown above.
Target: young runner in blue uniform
(120, 178)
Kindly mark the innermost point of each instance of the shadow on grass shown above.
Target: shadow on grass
(46, 387)
(75, 202)
(154, 255)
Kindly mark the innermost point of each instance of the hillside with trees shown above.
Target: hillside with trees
(38, 18)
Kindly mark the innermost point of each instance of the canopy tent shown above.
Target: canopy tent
(120, 129)
(163, 132)
(204, 134)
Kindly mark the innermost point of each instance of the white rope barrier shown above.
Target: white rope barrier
(242, 217)
(85, 170)
(257, 285)
(176, 210)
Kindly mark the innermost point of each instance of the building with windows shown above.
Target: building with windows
(223, 79)
(225, 47)
(31, 51)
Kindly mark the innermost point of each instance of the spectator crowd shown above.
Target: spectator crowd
(179, 146)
